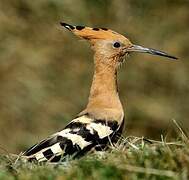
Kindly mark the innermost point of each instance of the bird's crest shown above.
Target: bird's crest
(93, 34)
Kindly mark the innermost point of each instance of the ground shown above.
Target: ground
(131, 158)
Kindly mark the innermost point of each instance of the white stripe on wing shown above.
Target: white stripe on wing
(102, 130)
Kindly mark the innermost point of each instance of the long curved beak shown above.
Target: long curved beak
(136, 48)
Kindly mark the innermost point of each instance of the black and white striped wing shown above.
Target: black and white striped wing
(78, 137)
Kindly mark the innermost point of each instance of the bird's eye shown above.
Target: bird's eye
(116, 45)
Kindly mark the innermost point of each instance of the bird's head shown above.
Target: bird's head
(110, 46)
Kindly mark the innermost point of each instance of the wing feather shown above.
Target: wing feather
(78, 137)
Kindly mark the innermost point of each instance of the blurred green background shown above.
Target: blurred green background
(46, 72)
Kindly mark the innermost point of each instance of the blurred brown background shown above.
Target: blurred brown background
(46, 72)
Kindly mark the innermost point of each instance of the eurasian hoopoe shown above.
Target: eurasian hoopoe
(102, 121)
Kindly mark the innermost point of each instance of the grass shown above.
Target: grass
(131, 158)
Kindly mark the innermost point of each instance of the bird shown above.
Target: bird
(101, 123)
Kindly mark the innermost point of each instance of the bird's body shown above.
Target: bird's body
(101, 122)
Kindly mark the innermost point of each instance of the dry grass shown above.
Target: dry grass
(46, 72)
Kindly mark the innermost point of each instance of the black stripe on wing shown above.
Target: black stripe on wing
(110, 123)
(67, 146)
(48, 154)
(83, 131)
(42, 145)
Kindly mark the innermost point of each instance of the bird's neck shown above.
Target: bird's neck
(104, 100)
(104, 87)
